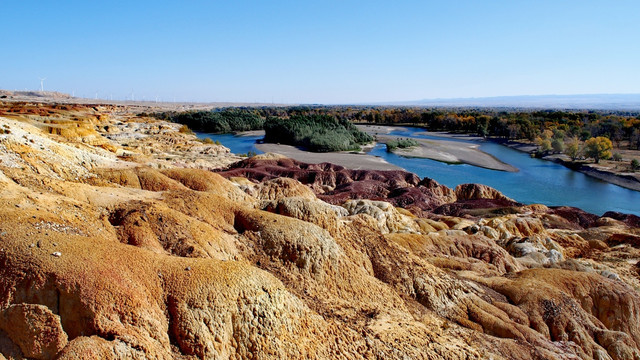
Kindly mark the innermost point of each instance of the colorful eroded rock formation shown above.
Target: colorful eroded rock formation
(128, 246)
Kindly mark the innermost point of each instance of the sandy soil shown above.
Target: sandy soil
(451, 152)
(251, 133)
(450, 135)
(346, 159)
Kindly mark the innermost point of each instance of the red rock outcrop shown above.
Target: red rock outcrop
(336, 184)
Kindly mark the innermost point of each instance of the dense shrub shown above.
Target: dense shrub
(320, 133)
(401, 143)
(218, 121)
(557, 145)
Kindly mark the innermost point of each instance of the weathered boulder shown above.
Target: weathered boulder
(291, 241)
(459, 252)
(202, 180)
(140, 178)
(315, 211)
(35, 329)
(598, 314)
(479, 191)
(279, 188)
(386, 216)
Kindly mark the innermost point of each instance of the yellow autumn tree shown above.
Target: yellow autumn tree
(598, 148)
(572, 148)
(544, 141)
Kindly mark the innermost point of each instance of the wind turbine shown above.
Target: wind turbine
(42, 84)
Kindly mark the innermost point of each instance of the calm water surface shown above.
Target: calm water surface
(538, 181)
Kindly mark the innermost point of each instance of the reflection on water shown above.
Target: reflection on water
(538, 181)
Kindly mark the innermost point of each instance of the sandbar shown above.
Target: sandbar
(379, 129)
(455, 152)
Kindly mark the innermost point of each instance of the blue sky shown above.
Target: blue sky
(321, 51)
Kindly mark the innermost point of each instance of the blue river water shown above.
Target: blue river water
(538, 181)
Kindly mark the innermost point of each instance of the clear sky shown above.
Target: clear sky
(325, 51)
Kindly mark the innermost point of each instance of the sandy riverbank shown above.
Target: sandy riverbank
(629, 180)
(251, 133)
(626, 179)
(346, 159)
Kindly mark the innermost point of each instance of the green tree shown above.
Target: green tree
(559, 134)
(598, 148)
(585, 134)
(635, 164)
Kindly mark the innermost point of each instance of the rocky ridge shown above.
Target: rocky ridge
(117, 241)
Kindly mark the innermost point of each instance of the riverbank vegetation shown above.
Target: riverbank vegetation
(400, 144)
(319, 133)
(314, 132)
(217, 121)
(330, 128)
(622, 128)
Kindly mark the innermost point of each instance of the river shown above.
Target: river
(538, 181)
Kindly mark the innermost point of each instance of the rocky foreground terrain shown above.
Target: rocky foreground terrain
(118, 240)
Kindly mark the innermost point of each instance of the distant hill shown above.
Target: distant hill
(33, 94)
(630, 102)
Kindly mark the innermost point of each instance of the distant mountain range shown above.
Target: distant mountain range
(624, 102)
